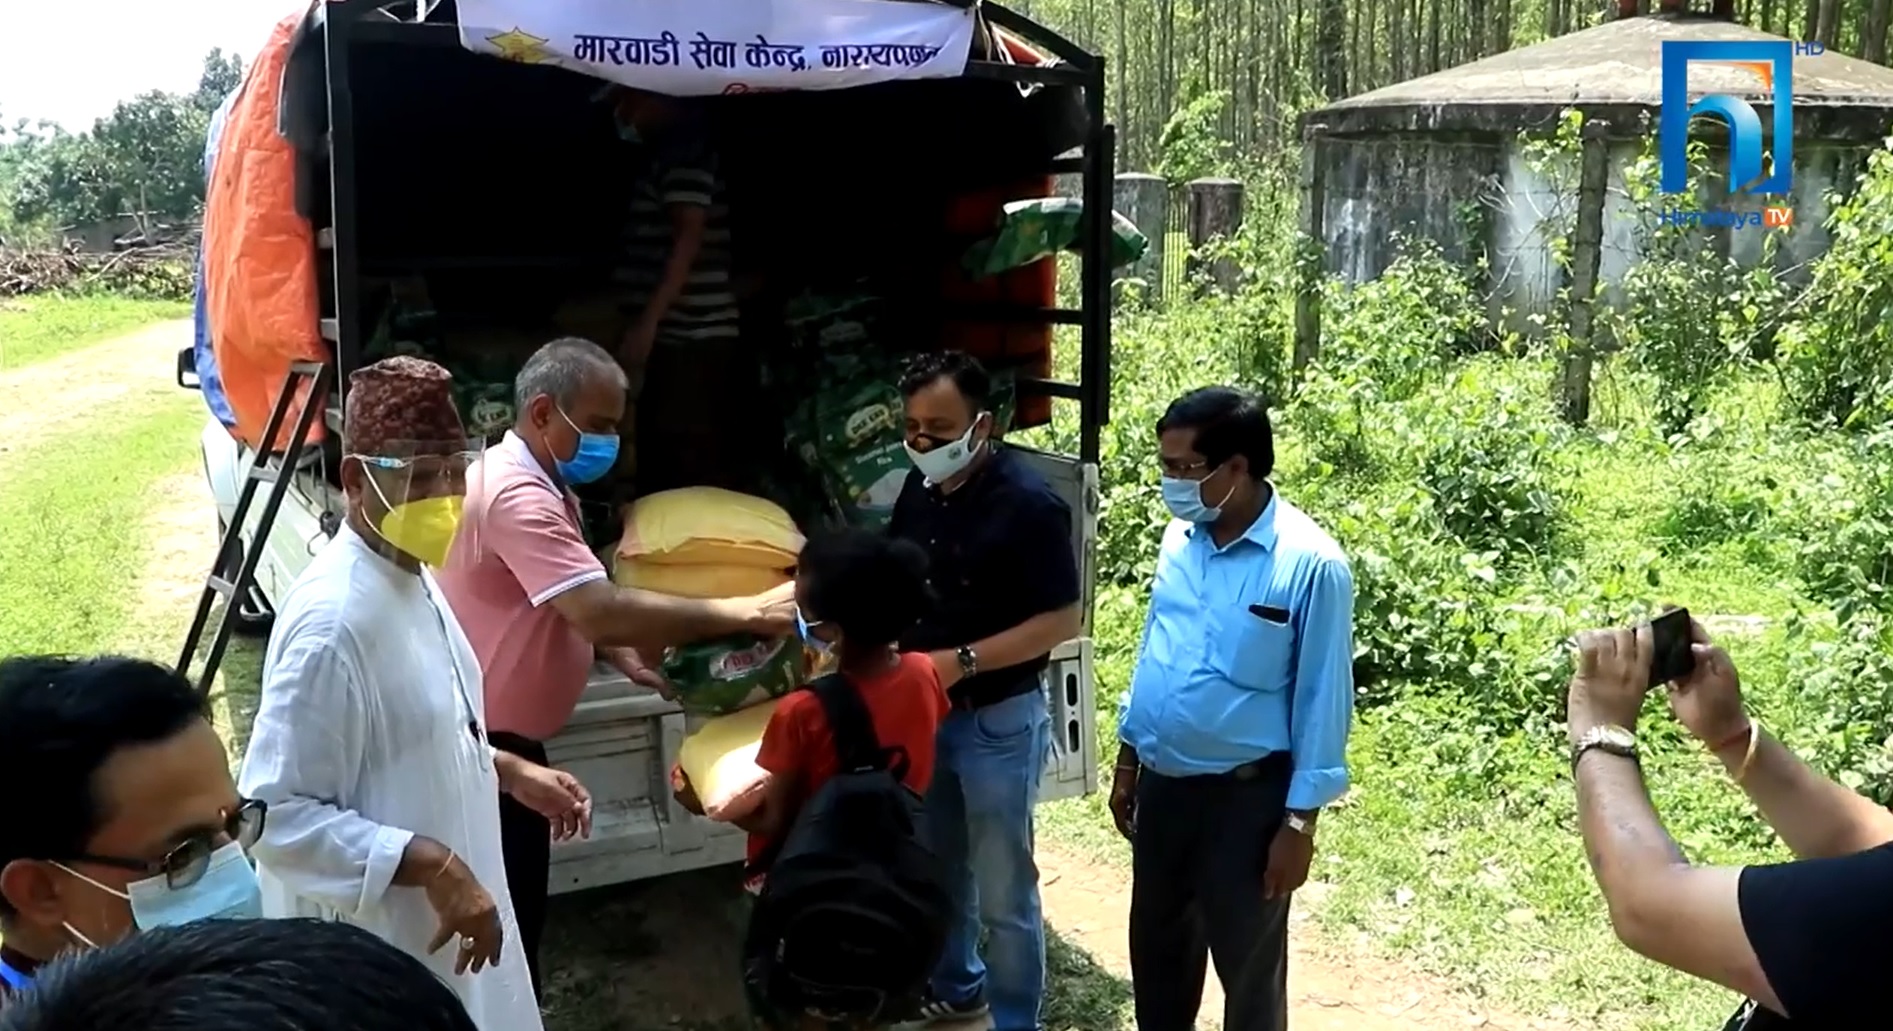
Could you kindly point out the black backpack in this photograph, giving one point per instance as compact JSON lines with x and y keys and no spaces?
{"x":854,"y":913}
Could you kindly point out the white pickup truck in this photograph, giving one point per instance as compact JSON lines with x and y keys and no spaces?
{"x":370,"y":77}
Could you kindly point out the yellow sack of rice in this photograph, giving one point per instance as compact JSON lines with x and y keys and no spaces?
{"x":710,"y":526}
{"x":718,"y":762}
{"x":718,"y":581}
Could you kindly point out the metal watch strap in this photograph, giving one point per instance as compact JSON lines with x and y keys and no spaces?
{"x":969,"y":662}
{"x":1611,"y":740}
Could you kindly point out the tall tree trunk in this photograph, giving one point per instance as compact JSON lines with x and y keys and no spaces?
{"x":1827,"y":26}
{"x":1873,"y":37}
{"x":1330,"y":44}
{"x":1432,"y":37}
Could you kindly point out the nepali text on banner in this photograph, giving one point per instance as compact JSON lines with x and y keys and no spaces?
{"x":705,"y":47}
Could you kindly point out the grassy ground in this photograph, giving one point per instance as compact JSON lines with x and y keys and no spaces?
{"x":1457,"y":848}
{"x":33,"y":329}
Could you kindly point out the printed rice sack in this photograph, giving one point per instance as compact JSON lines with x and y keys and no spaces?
{"x":718,"y":761}
{"x":851,"y":436}
{"x":726,"y":674}
{"x":718,"y":581}
{"x":710,"y":526}
{"x":487,"y":407}
{"x":1032,"y":230}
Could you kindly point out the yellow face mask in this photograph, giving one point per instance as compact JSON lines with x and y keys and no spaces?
{"x":424,"y":529}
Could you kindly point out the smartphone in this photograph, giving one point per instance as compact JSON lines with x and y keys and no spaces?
{"x":1672,"y":658}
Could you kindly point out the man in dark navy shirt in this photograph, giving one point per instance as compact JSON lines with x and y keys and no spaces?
{"x":1000,"y":544}
{"x":1806,"y":940}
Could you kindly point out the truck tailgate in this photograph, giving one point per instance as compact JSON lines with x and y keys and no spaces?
{"x":621,"y":743}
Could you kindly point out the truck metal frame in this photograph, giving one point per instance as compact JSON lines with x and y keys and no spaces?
{"x":623,"y":738}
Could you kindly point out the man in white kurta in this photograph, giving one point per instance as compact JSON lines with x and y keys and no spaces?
{"x":369,"y":742}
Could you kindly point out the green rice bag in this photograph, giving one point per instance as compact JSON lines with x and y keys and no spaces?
{"x":1033,"y":229}
{"x":724,"y":674}
{"x":487,"y":408}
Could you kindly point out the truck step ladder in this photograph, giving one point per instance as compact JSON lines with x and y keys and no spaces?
{"x":276,"y":470}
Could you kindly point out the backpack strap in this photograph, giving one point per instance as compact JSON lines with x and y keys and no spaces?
{"x":857,"y":747}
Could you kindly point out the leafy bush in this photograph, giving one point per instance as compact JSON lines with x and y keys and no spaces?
{"x":1844,"y":551}
{"x":1839,"y":360}
{"x":1849,"y":685}
{"x":1390,"y":336}
{"x":1724,"y":495}
{"x":1489,"y":469}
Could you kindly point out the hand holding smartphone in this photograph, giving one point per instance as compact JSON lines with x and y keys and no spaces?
{"x":1671,"y":657}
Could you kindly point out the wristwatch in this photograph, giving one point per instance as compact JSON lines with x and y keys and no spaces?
{"x":1610,"y":739}
{"x":1302,"y":825}
{"x":969,"y":662}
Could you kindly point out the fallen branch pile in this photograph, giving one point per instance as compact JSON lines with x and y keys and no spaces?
{"x":161,"y":271}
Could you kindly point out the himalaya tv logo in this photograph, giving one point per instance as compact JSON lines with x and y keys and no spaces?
{"x":1773,"y":63}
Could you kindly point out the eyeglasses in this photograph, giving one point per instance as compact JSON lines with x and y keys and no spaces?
{"x":1183,"y":470}
{"x":185,"y":864}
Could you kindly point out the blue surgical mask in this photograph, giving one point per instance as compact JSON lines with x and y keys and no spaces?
{"x":1184,"y":499}
{"x":802,"y":628}
{"x":596,"y":454}
{"x":629,"y":132}
{"x":228,"y":890}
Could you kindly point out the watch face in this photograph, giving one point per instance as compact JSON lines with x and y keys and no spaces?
{"x":1616,"y":737}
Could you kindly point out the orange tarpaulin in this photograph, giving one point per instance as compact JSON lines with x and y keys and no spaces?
{"x":259,"y":254}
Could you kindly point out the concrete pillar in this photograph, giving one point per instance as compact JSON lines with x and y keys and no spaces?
{"x":1145,"y":200}
{"x":1215,"y":213}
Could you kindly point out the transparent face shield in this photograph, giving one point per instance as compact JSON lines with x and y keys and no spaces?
{"x":415,"y":493}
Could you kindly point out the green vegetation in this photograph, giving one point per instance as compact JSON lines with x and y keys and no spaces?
{"x":42,"y":326}
{"x":72,"y":509}
{"x":147,"y":155}
{"x":1484,"y":531}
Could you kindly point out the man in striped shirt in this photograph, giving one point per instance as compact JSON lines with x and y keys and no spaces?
{"x":676,"y":275}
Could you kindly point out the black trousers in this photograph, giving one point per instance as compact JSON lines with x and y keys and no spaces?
{"x":526,"y":848}
{"x":1201,"y":846}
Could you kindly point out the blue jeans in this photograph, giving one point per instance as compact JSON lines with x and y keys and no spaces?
{"x":980,"y":806}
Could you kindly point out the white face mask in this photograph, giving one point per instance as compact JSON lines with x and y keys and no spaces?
{"x":948,"y":460}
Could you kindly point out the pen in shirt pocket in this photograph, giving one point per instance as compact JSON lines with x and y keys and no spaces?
{"x":1269,"y":614}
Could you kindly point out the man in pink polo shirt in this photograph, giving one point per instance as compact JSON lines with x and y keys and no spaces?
{"x":536,"y":601}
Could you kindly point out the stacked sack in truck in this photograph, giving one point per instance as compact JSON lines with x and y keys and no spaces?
{"x":705,"y":542}
{"x":847,"y":427}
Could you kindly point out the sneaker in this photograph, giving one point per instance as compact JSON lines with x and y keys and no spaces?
{"x":939,"y":1011}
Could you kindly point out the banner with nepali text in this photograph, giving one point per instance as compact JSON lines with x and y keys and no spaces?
{"x":708,"y":47}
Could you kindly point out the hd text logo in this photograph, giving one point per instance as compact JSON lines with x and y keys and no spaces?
{"x":1773,"y":63}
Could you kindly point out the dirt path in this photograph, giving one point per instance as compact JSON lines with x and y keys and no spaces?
{"x":1090,"y":906}
{"x":54,"y":396}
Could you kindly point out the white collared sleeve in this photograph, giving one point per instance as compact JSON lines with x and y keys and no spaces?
{"x":307,"y":751}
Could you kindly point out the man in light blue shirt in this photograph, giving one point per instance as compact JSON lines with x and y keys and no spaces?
{"x":1233,"y":734}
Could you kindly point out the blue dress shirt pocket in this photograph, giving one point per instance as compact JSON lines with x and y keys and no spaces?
{"x":1253,"y":649}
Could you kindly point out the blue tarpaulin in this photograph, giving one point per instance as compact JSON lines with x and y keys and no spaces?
{"x":205,"y":356}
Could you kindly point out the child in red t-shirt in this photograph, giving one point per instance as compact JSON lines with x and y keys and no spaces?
{"x":856,"y":593}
